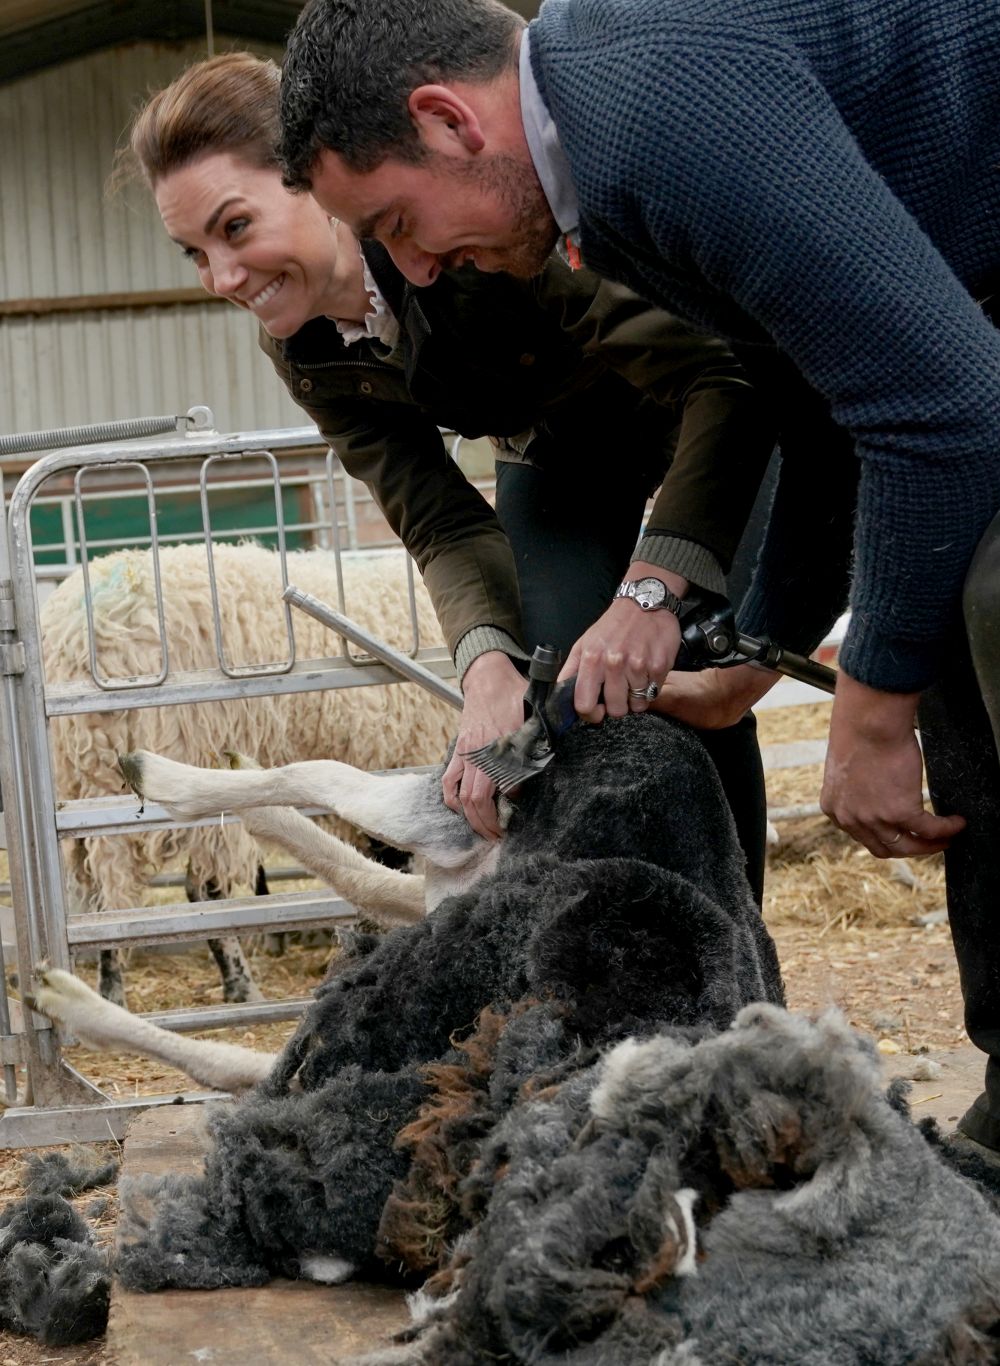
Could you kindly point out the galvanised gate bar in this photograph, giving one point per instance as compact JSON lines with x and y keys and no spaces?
{"x":61,"y":1105}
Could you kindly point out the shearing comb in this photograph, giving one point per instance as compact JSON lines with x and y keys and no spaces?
{"x":513,"y":759}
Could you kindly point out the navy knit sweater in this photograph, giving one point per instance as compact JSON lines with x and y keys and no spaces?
{"x":823,"y":174}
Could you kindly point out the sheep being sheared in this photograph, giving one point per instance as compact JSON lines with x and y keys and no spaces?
{"x":618,"y":903}
{"x":405,"y":806}
{"x":372,"y":727}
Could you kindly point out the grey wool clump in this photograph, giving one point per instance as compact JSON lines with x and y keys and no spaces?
{"x":619,"y":901}
{"x":54,"y":1282}
{"x":825,"y":1230}
{"x":285,"y":1178}
{"x":67,"y":1173}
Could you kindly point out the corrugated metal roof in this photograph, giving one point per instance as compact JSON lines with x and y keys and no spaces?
{"x":39,"y":33}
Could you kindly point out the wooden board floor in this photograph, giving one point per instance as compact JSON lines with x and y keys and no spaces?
{"x":947,"y":1097}
{"x":283,"y":1322}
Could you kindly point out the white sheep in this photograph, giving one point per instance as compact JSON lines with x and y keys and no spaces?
{"x":370,"y":727}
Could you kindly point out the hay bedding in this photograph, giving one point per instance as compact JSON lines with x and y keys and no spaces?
{"x":845,"y":922}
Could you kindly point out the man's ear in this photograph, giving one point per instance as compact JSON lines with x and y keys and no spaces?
{"x":445,"y":122}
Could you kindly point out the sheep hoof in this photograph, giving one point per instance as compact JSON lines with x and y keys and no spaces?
{"x":242,"y":993}
{"x":130,"y":767}
{"x":326,"y":1269}
{"x":56,"y":994}
{"x":69,"y":1003}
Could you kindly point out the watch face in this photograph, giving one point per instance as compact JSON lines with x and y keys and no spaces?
{"x":649,"y":593}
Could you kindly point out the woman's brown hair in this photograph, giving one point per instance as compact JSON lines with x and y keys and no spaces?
{"x":228,"y":103}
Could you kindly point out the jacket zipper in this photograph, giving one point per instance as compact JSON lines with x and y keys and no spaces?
{"x":341,"y":365}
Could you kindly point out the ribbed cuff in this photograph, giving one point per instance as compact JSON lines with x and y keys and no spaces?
{"x":692,"y":561}
{"x":480,"y":641}
{"x":888,"y":664}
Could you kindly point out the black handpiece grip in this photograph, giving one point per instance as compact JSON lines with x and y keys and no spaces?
{"x":708,"y":629}
{"x":545,"y":664}
{"x":542,"y":673}
{"x":559,"y":711}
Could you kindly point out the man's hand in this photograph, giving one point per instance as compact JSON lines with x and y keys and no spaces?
{"x":873,"y":782}
{"x":494,"y":692}
{"x":625,"y":648}
{"x":712,"y":699}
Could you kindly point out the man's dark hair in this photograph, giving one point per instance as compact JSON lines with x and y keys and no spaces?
{"x":352,"y":64}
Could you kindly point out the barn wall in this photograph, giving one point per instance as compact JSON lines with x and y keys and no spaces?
{"x":61,"y":236}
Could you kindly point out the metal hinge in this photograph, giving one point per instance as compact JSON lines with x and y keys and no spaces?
{"x":12,"y":657}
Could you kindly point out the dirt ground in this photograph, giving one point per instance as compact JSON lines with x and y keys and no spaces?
{"x":845,"y":925}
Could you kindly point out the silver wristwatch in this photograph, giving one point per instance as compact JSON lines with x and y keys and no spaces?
{"x":651,"y":594}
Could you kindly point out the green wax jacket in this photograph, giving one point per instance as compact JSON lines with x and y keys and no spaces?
{"x":618,"y":389}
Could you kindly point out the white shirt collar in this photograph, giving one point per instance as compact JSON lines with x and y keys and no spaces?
{"x":547,"y":154}
{"x":380,"y":323}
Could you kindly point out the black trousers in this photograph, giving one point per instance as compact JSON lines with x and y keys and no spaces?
{"x":572,"y":540}
{"x":960,"y":730}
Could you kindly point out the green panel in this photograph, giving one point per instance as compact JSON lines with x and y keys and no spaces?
{"x":235,"y":514}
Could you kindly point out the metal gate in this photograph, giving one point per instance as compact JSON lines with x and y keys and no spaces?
{"x":64,"y":1105}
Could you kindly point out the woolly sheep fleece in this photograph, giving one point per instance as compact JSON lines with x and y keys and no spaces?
{"x":370,"y":727}
{"x":705,"y":1193}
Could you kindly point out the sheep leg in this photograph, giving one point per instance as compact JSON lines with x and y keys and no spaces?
{"x":97,"y":1023}
{"x":110,"y":979}
{"x":275,"y":942}
{"x":404,"y":809}
{"x":383,"y":893}
{"x":83,"y":896}
{"x":237,"y":979}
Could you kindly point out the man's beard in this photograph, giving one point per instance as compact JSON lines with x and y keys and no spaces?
{"x":533,"y":231}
